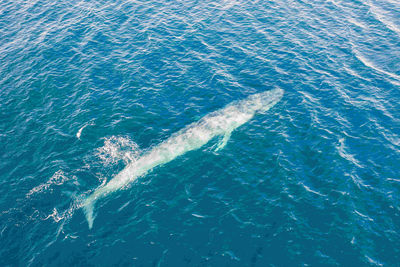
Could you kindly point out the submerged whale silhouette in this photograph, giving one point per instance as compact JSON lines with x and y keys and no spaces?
{"x":219,"y":123}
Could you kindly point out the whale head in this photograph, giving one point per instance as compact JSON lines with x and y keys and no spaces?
{"x":262,"y":102}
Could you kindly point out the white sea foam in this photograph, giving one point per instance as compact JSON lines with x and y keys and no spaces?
{"x":55,"y":216}
{"x":194,"y":136}
{"x":117,"y":148}
{"x":58,"y":178}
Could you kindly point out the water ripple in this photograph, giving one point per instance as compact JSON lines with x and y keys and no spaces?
{"x":80,"y":80}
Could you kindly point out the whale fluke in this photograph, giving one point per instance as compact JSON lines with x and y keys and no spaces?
{"x":88,"y":208}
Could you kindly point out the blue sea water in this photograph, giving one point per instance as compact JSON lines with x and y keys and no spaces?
{"x":88,"y":86}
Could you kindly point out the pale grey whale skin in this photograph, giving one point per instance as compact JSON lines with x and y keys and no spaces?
{"x":219,"y":123}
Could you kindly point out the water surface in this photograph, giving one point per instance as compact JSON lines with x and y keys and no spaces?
{"x":87,"y":87}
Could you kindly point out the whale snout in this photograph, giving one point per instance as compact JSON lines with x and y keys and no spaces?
{"x":268,"y":99}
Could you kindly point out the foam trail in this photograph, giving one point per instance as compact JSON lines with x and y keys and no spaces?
{"x":193,"y":136}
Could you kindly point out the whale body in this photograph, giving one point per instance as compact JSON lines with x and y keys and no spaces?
{"x":219,"y":123}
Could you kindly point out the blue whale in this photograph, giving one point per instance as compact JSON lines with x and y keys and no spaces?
{"x":219,"y":123}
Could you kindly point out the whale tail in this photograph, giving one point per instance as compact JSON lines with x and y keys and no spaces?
{"x":88,"y":207}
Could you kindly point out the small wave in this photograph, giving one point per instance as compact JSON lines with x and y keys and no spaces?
{"x":382,"y":16}
{"x":79,"y":133}
{"x":117,"y":148}
{"x":389,"y":135}
{"x":198,"y":215}
{"x":308,"y":189}
{"x":342,"y":149}
{"x":369,"y":64}
{"x":373,"y":261}
{"x":393,"y":180}
{"x":363,"y":216}
{"x":231,"y":255}
{"x":357,"y":23}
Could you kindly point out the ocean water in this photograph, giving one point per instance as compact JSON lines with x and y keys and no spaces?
{"x":90,"y":87}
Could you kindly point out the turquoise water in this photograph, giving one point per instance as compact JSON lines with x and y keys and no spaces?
{"x":89,"y":88}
